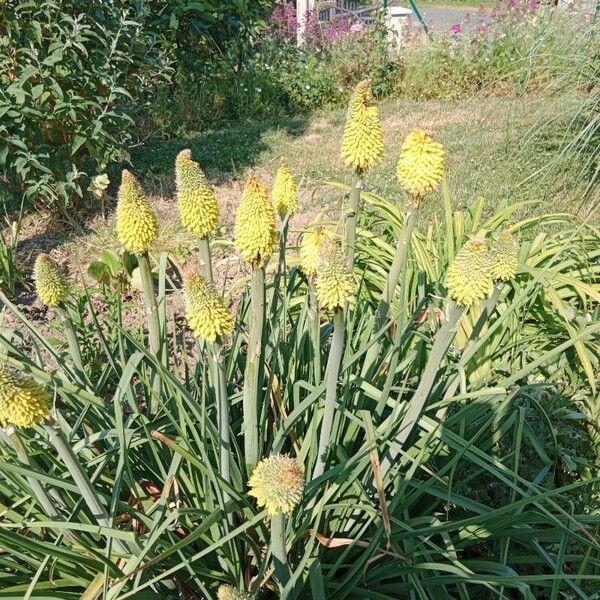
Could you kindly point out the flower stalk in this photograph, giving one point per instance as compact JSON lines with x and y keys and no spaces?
{"x":205,"y":259}
{"x":352,"y":220}
{"x":279,"y":553}
{"x":253,"y":380}
{"x":332,"y":370}
{"x":73,"y":343}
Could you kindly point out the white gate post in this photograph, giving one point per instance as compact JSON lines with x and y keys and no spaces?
{"x":302,"y":7}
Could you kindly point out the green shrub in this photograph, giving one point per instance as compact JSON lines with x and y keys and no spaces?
{"x":67,"y":77}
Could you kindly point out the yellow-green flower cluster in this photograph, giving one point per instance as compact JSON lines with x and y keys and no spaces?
{"x":285,"y":192}
{"x":206,"y":313}
{"x":310,"y":249}
{"x":277,"y":483}
{"x":421,"y":165}
{"x":362,"y":144}
{"x":255,"y":237}
{"x":335,"y":285}
{"x":51,"y":285}
{"x":198,"y":206}
{"x":504,"y":257}
{"x":23,"y":402}
{"x":469,"y":277}
{"x":136,"y":221}
{"x":228,"y":592}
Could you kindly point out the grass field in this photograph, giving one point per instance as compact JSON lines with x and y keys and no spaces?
{"x":490,"y":153}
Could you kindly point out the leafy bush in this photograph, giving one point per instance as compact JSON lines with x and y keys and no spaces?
{"x":147,"y":458}
{"x":519,"y":48}
{"x":67,"y":76}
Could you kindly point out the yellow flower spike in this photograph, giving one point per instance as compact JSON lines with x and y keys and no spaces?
{"x":504,"y":257}
{"x":255,"y":237}
{"x":421,"y":165}
{"x":198,"y":206}
{"x":23,"y":402}
{"x":469,"y":277}
{"x":277,"y":483}
{"x":335,"y":285}
{"x":310,"y":250}
{"x":206,"y":312}
{"x":228,"y":592}
{"x":136,"y":221}
{"x":50,"y":284}
{"x":362,"y":143}
{"x":285,"y":192}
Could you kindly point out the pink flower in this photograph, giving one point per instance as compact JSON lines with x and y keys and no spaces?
{"x":456,"y":29}
{"x":356,"y":28}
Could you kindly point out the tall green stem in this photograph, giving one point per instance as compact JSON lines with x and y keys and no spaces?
{"x":204,"y":248}
{"x":332,"y":373}
{"x":352,"y":221}
{"x":315,"y":331}
{"x":396,"y":273}
{"x":279,"y":553}
{"x":73,"y":343}
{"x":441,"y":343}
{"x":220,"y":385}
{"x":84,"y":485}
{"x":151,"y":307}
{"x":253,"y":377}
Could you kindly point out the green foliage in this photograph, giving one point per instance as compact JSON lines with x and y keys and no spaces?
{"x":11,"y":273}
{"x":67,"y":77}
{"x":512,"y":52}
{"x":491,"y":496}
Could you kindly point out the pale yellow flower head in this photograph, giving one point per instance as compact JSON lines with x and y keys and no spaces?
{"x":136,"y":222}
{"x":362,"y":143}
{"x":504,"y":257}
{"x":335,"y":285}
{"x":23,"y":403}
{"x":205,"y":311}
{"x":198,"y":206}
{"x":312,"y":244}
{"x":285,"y":192}
{"x":421,"y":165}
{"x":255,"y":236}
{"x":228,"y":592}
{"x":277,"y":483}
{"x":469,"y":277}
{"x":50,"y":284}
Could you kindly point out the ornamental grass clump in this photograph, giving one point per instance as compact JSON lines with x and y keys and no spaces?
{"x":406,"y":467}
